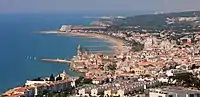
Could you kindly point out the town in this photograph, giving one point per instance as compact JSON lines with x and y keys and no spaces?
{"x":146,"y":63}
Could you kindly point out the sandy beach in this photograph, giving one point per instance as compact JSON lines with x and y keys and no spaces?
{"x":118,"y":43}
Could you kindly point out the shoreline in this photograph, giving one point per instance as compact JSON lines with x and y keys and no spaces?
{"x":118,"y":44}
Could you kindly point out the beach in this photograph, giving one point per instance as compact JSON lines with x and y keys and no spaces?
{"x":118,"y":44}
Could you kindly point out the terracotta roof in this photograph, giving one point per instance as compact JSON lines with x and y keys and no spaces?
{"x":14,"y":95}
{"x":21,"y":89}
{"x":159,"y":63}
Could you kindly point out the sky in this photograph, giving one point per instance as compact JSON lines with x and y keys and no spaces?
{"x":64,"y":6}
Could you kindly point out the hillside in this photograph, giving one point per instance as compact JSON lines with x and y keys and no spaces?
{"x":157,"y":21}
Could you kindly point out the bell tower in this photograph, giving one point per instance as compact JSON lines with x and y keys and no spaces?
{"x":79,"y":52}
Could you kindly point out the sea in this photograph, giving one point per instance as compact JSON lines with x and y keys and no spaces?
{"x":22,"y":47}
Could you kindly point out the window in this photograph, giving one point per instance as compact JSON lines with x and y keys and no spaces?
{"x":191,"y":95}
{"x":159,"y":96}
{"x":170,"y":96}
{"x":198,"y":95}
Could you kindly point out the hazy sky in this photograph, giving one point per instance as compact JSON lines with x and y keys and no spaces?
{"x":19,"y":6}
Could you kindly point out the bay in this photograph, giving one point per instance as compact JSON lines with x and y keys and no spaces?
{"x":21,"y":48}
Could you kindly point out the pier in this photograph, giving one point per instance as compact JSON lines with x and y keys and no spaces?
{"x":56,"y":60}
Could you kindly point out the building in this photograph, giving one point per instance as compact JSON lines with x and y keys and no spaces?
{"x":107,"y":93}
{"x":34,"y":88}
{"x":94,"y":92}
{"x":65,"y":28}
{"x":120,"y":93}
{"x":139,"y":71}
{"x":81,"y":92}
{"x":173,"y":92}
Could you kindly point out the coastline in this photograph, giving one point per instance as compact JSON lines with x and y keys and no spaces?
{"x":118,"y":44}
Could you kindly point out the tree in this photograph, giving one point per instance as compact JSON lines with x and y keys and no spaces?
{"x":193,"y":66}
{"x":78,"y":81}
{"x":37,"y":79}
{"x":133,"y":72}
{"x":147,"y":75}
{"x":164,"y":68}
{"x":172,"y":67}
{"x":51,"y":78}
{"x":107,"y":80}
{"x":112,"y":67}
{"x":58,"y":78}
{"x":187,"y":80}
{"x":136,"y":46}
{"x":45,"y":92}
{"x":123,"y":59}
{"x":87,"y":81}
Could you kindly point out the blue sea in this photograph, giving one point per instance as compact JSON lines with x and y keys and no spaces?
{"x":19,"y":45}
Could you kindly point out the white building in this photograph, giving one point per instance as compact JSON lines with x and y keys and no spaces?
{"x":107,"y":93}
{"x":65,"y":28}
{"x":81,"y":92}
{"x":94,"y":92}
{"x":120,"y":93}
{"x":30,"y":82}
{"x":160,"y":93}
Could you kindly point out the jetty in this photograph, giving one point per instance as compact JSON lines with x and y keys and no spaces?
{"x":56,"y":60}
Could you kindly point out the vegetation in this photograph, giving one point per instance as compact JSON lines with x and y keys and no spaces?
{"x":79,"y":80}
{"x":112,"y":67}
{"x":156,"y":21}
{"x":58,"y":78}
{"x":136,"y":46}
{"x":87,"y":81}
{"x":37,"y":79}
{"x":186,"y":80}
{"x":194,"y":66}
{"x":52,"y":78}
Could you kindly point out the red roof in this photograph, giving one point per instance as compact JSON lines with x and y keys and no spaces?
{"x":14,"y":95}
{"x":21,"y":89}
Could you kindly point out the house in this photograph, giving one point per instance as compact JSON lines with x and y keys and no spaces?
{"x":81,"y":92}
{"x":120,"y":93}
{"x":96,"y":81}
{"x":139,"y":71}
{"x":164,"y":80}
{"x":107,"y":93}
{"x":73,"y":84}
{"x":94,"y":92}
